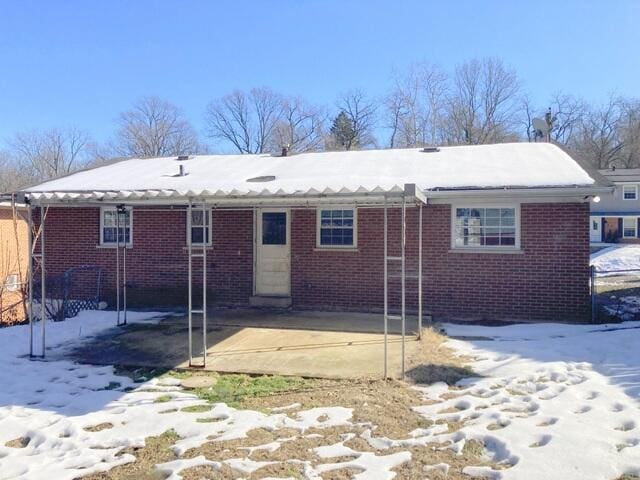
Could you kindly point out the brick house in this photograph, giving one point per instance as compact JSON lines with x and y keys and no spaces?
{"x":13,"y":262}
{"x":501,"y":232}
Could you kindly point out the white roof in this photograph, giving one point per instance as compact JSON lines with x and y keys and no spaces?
{"x":524,"y":165}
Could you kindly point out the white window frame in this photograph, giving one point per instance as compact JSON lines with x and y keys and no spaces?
{"x":635,"y":227}
{"x":12,"y":283}
{"x":319,"y":210}
{"x":486,"y":248}
{"x":635,"y":192}
{"x":190,"y":224}
{"x":114,"y":244}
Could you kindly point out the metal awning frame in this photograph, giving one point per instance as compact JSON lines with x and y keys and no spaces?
{"x":409,"y":197}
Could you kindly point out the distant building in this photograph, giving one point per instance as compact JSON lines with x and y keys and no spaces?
{"x":616,"y":217}
{"x":14,"y":257}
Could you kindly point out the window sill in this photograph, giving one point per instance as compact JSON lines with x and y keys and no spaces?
{"x":336,"y":249}
{"x":101,"y":245}
{"x":197,"y":247}
{"x":500,"y":251}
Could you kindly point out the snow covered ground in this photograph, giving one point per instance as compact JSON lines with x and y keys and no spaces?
{"x":554,"y":401}
{"x":551,"y":402}
{"x":617,"y":257}
{"x":53,"y":403}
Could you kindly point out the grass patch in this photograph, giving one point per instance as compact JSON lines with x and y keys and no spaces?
{"x":231,"y":389}
{"x":196,"y":409}
{"x":473,"y":448}
{"x":234,"y":389}
{"x":208,"y":420}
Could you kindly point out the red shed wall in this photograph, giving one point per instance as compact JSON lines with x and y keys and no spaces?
{"x":547,"y":281}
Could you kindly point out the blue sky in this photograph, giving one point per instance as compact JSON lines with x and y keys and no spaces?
{"x":81,"y":62}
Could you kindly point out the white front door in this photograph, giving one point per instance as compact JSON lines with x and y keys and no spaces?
{"x":595,"y":229}
{"x":273,"y":252}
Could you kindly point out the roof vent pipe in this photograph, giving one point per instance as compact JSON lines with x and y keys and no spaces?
{"x":181,"y":172}
{"x":285,"y":150}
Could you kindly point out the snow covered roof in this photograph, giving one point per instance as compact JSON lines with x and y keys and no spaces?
{"x":509,"y":165}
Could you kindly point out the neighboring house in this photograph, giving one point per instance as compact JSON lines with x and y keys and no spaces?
{"x":616,"y":217}
{"x":505,"y":229}
{"x":13,"y":262}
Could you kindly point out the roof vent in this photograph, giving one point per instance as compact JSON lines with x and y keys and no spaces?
{"x":430,"y":149}
{"x":182,"y":158}
{"x":262,"y":179}
{"x":181,"y":171}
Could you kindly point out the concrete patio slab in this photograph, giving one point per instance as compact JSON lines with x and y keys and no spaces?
{"x":253,"y":349}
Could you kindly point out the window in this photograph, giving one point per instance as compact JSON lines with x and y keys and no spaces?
{"x":337,"y":228}
{"x":629,"y":225}
{"x":11,"y":283}
{"x":486,"y":227}
{"x":630,"y":192}
{"x":274,"y":228}
{"x":200,"y":226}
{"x":114,"y":230}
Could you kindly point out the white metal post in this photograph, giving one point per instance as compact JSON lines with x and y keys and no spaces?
{"x":204,"y":281}
{"x":403,"y":263}
{"x":124,"y":272}
{"x":420,"y":272}
{"x":189,"y":219}
{"x":43,"y":278}
{"x":30,"y":276}
{"x":386,"y":305}
{"x":117,"y":267}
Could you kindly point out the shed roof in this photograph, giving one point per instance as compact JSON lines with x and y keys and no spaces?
{"x":478,"y":167}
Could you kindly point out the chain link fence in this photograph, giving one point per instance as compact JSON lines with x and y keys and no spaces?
{"x":615,"y":295}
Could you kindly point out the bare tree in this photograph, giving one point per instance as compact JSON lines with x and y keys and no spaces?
{"x":629,"y":133}
{"x":569,"y":112}
{"x":45,"y":154}
{"x":12,"y":176}
{"x":246,"y":121}
{"x":528,"y":114}
{"x":360,"y":111}
{"x":597,"y":139}
{"x":484,"y":103}
{"x":415,"y":106}
{"x":301,"y":126}
{"x":154,"y":128}
{"x":395,"y":112}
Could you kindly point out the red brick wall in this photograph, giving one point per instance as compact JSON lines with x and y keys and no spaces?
{"x":548,"y":281}
{"x":157,"y":260}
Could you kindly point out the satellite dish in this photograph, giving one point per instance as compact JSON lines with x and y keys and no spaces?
{"x":541,"y":125}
